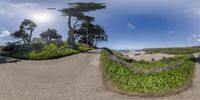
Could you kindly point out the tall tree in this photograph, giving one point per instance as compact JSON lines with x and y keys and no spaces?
{"x":25,"y":31}
{"x":22,"y":35}
{"x":49,"y":35}
{"x":87,"y":21}
{"x":27,"y":27}
{"x":76,"y":12}
{"x":91,"y":34}
{"x":99,"y":35}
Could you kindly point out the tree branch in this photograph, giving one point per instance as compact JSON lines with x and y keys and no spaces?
{"x":74,"y":26}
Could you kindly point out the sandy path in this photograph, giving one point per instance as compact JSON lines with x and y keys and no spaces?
{"x":77,"y":77}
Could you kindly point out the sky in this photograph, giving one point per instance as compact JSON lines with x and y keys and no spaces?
{"x":130,"y":24}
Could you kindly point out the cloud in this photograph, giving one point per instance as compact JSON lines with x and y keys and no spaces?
{"x":5,"y":37}
{"x":9,"y":8}
{"x":4,"y":34}
{"x":21,"y":5}
{"x":194,"y":37}
{"x":130,"y":25}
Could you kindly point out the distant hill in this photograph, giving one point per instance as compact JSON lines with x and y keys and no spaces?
{"x":175,"y":50}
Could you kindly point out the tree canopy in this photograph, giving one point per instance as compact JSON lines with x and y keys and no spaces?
{"x":76,"y":11}
{"x":25,"y":31}
{"x":49,"y":35}
{"x":91,"y":34}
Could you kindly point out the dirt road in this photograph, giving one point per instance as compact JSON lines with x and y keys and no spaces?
{"x":77,"y":77}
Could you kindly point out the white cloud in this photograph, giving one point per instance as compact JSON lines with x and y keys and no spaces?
{"x":4,"y":34}
{"x":194,"y":37}
{"x":130,"y":25}
{"x":20,"y":5}
{"x":8,"y":8}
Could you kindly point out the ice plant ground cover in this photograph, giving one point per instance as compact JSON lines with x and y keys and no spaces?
{"x":165,"y":82}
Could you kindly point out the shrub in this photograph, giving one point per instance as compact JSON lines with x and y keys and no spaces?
{"x":164,"y":58}
{"x":11,"y":47}
{"x":48,"y":51}
{"x":83,"y":47}
{"x":51,"y":51}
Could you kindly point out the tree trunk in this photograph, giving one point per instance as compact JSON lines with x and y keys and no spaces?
{"x":24,"y":40}
{"x":91,"y":39}
{"x":30,"y":36}
{"x":70,"y":39}
{"x":87,"y":34}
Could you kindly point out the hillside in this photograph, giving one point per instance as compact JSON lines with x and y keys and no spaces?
{"x":176,"y":50}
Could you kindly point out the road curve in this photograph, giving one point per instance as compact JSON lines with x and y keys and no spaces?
{"x":76,"y":77}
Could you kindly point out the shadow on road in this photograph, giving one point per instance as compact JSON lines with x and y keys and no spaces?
{"x":4,"y":60}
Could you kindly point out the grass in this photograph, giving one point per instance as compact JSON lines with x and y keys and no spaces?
{"x":172,"y":61}
{"x":160,"y":63}
{"x":148,"y":65}
{"x":148,"y":84}
{"x":50,"y":51}
{"x":176,"y":51}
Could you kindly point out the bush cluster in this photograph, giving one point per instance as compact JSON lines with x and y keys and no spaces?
{"x":50,"y":51}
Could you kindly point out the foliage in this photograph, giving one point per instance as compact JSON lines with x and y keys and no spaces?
{"x":83,"y":47}
{"x":17,"y":47}
{"x":160,"y":63}
{"x":50,"y":51}
{"x":176,"y":51}
{"x":25,"y":31}
{"x":91,"y":34}
{"x":153,"y":83}
{"x":76,"y":11}
{"x":10,"y":47}
{"x":50,"y":35}
{"x":148,"y":65}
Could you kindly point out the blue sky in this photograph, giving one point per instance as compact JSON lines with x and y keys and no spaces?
{"x":130,"y":24}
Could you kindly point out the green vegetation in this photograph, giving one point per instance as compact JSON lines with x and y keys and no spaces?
{"x":91,"y":34}
{"x":148,"y":65}
{"x":176,"y":51}
{"x":76,"y":11}
{"x":160,"y":63}
{"x":153,"y":64}
{"x":83,"y":35}
{"x":50,"y":51}
{"x":25,"y":31}
{"x":148,"y":84}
